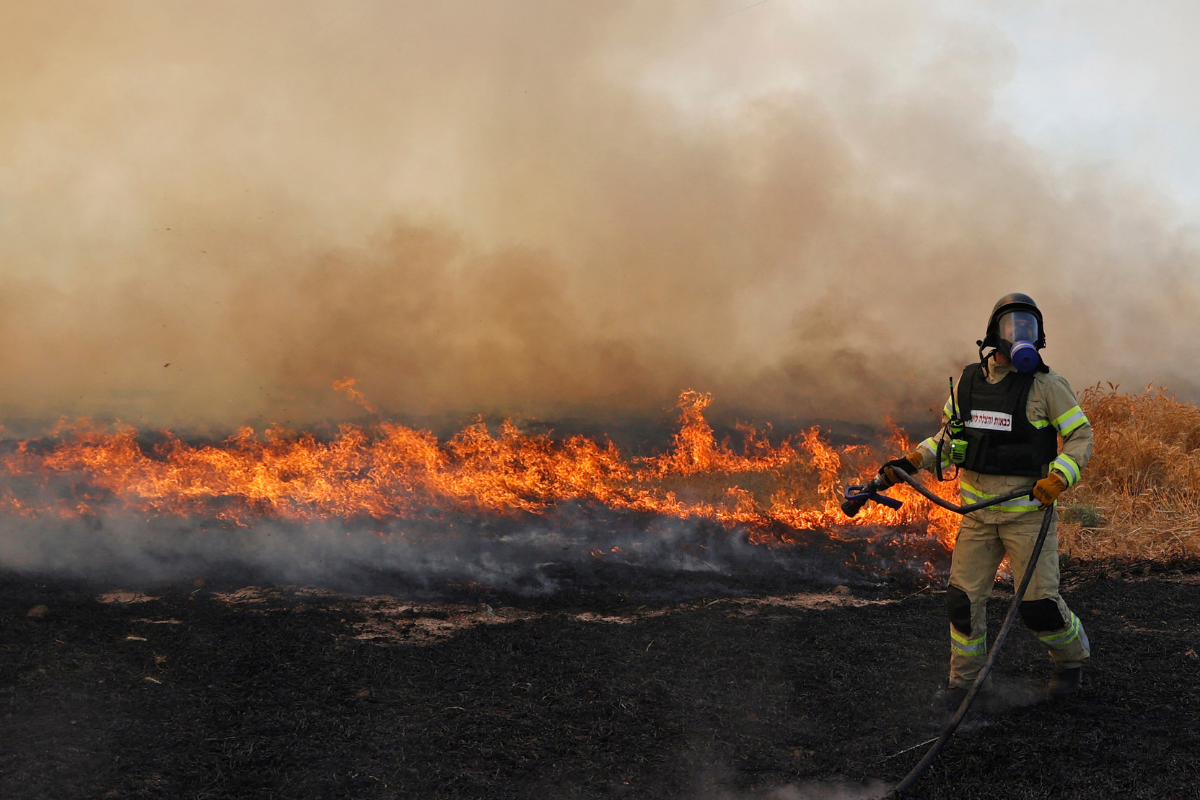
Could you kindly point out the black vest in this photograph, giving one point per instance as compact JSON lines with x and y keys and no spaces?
{"x":1000,"y":438}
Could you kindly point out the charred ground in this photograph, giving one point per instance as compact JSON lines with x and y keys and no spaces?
{"x":287,"y":692}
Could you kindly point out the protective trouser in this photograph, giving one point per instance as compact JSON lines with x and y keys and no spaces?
{"x":978,"y":552}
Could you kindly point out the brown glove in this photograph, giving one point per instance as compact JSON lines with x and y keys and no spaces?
{"x":910,"y":464}
{"x":1049,"y":488}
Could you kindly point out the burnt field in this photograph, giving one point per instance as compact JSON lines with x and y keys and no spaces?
{"x":212,"y":689}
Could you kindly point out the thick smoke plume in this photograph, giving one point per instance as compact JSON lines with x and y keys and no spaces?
{"x":210,"y":212}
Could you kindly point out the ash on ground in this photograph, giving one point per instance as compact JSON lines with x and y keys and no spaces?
{"x":203,"y":689}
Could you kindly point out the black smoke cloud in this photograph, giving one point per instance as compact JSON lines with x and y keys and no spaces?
{"x":544,"y":208}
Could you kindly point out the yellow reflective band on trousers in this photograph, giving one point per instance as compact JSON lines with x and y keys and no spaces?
{"x":1059,"y":639}
{"x":1065,"y":423}
{"x":1017,"y":505}
{"x":1067,"y":466}
{"x":967,"y":647}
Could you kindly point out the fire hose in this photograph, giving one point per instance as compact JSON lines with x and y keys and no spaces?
{"x":856,"y":498}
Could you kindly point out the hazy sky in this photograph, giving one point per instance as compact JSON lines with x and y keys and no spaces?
{"x":1100,"y":80}
{"x":210,"y":212}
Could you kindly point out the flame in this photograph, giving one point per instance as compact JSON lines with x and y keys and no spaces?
{"x":347,"y":385}
{"x":387,"y":470}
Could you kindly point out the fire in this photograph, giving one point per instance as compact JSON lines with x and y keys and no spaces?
{"x":386,"y":470}
{"x":348,"y":385}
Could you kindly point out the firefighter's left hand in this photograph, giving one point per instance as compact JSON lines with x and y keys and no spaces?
{"x":910,"y":464}
{"x":1049,"y":488}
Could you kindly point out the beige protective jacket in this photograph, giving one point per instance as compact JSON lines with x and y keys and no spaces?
{"x":1051,"y":402}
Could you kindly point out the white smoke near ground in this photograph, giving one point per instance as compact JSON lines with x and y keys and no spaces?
{"x":816,"y":790}
{"x":665,"y":558}
{"x":209,"y":212}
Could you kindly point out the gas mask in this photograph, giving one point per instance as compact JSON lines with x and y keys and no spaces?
{"x":1017,"y":332}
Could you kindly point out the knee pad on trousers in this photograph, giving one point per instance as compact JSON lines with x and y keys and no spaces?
{"x":958,"y":605}
{"x":1042,"y":615}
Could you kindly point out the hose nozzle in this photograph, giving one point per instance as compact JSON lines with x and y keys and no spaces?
{"x":857,"y":496}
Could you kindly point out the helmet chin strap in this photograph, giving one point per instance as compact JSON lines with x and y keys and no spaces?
{"x":986,"y":359}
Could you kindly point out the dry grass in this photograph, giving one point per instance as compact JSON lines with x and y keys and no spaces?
{"x":1140,"y":495}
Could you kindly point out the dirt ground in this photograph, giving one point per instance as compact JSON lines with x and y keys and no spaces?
{"x":227,"y":691}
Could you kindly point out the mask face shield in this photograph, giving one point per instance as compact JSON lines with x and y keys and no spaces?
{"x":1018,"y":330}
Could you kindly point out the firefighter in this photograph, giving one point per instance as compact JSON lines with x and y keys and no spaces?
{"x":1012,"y":409}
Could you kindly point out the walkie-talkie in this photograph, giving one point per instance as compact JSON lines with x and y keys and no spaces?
{"x":958,"y":445}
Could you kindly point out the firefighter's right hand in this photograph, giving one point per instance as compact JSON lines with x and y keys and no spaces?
{"x":909,"y":464}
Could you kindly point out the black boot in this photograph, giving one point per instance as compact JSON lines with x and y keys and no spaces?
{"x":1064,"y":683}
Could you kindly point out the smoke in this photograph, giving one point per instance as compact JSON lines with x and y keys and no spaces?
{"x":571,"y":552}
{"x":818,"y":790}
{"x":210,"y":212}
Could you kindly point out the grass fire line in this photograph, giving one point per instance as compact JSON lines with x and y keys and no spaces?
{"x":1139,"y":501}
